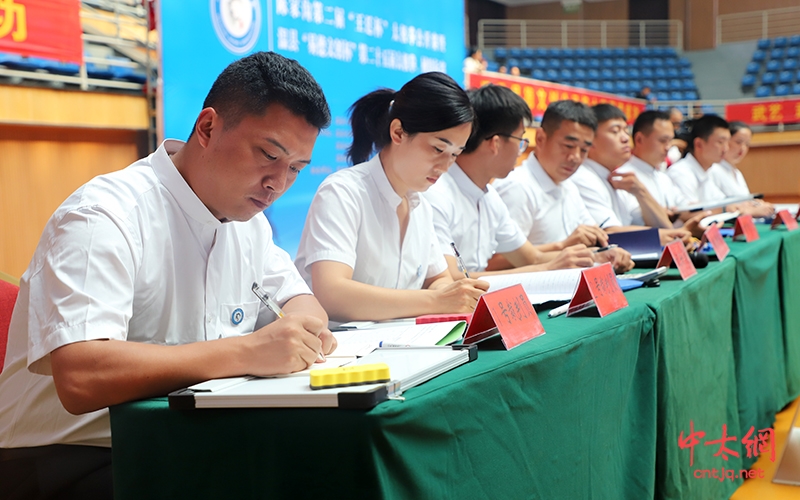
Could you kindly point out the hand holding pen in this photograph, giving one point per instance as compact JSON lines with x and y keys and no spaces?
{"x":461,"y":266}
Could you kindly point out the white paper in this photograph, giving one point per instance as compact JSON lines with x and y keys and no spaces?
{"x":362,"y":342}
{"x":541,"y":287}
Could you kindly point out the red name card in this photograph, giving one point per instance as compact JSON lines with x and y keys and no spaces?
{"x":786,"y":218}
{"x":676,"y":252}
{"x":713,"y":236}
{"x":745,"y":227}
{"x":441,"y":318}
{"x":507,"y":311}
{"x":598,"y":287}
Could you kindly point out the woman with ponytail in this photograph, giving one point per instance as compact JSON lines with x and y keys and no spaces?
{"x":368,"y":248}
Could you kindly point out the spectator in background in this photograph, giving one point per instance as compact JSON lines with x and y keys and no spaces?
{"x":502,"y":69}
{"x":678,"y":146}
{"x":515,"y":71}
{"x":474,"y":63}
{"x":646,"y":94}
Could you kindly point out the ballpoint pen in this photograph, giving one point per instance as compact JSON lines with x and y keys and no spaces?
{"x":274,"y":307}
{"x":603,"y":249}
{"x":461,"y":266}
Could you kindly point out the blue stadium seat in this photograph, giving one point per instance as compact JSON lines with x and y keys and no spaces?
{"x":99,"y":71}
{"x":540,"y":52}
{"x":748,"y":81}
{"x":538,"y":74}
{"x":670,"y":52}
{"x":565,"y":74}
{"x":660,"y":72}
{"x":759,"y":55}
{"x":753,"y":68}
{"x":606,"y":53}
{"x":621,"y":62}
{"x":794,"y":41}
{"x":607,"y":62}
{"x":662,"y":96}
{"x":796,"y":88}
{"x":675,"y":84}
{"x":790,"y":64}
{"x":554,"y":63}
{"x":662,"y":85}
{"x":594,"y":63}
{"x":515,"y":52}
{"x":593,"y":74}
{"x":648,"y":83}
{"x":580,"y":53}
{"x":568,"y":63}
{"x":606,"y":74}
{"x":776,"y":54}
{"x":607,"y":86}
{"x":526,"y":66}
{"x":686,"y":73}
{"x":688,"y":84}
{"x":657,"y":51}
{"x":541,"y":63}
{"x":768,"y":79}
{"x":793,"y":52}
{"x":684,"y":62}
{"x":579,"y":83}
{"x":618,"y":52}
{"x":647,"y":73}
{"x":672,"y":72}
{"x":786,"y":77}
{"x":593,"y":52}
{"x":645,"y":52}
{"x":593,"y":85}
{"x":581,"y":63}
{"x":635,"y":85}
{"x":780,"y":42}
{"x":60,"y":68}
{"x":579,"y":74}
{"x":551,"y":75}
{"x":763,"y":91}
{"x":621,"y":74}
{"x":708,"y":109}
{"x":500,"y":54}
{"x":633,"y":73}
{"x":774,"y":65}
{"x":554,"y":52}
{"x":691,"y":95}
{"x":764,"y":44}
{"x":634,"y":51}
{"x":512,"y":62}
{"x":634,"y":62}
{"x":568,"y":53}
{"x":528,"y":52}
{"x":782,"y":90}
{"x":621,"y":87}
{"x":492,"y":65}
{"x":676,"y":95}
{"x":646,"y":62}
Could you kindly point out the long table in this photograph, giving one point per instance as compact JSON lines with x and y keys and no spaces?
{"x":592,"y":409}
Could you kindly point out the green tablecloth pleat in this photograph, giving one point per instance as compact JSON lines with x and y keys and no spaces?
{"x":570,"y":414}
{"x":696,"y":377}
{"x":758,"y":332}
{"x":790,"y":296}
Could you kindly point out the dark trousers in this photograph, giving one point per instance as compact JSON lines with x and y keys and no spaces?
{"x":56,"y":472}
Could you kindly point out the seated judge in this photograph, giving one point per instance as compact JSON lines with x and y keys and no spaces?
{"x":539,"y":195}
{"x":368,"y":248}
{"x":468,"y":211}
{"x":618,"y":201}
{"x":141,"y":282}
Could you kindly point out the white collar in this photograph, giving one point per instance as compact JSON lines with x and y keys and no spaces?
{"x":171,"y":178}
{"x":600,"y":170}
{"x":642,"y":166}
{"x":695,"y":167}
{"x":378,"y":174}
{"x":542,"y":178}
{"x":471,"y":190}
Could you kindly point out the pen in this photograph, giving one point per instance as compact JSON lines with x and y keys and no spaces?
{"x":609,"y":247}
{"x":275,"y":308}
{"x":558,"y":311}
{"x":461,"y":266}
{"x":602,"y":223}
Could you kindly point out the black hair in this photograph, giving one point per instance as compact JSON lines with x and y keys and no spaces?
{"x":644,"y":122}
{"x":498,"y":110}
{"x":249,"y":85}
{"x":737,"y":126}
{"x":568,"y":110}
{"x":606,"y":112}
{"x":428,"y":103}
{"x":703,"y":127}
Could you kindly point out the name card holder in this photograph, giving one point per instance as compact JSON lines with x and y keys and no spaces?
{"x":786,"y":218}
{"x":507,"y":311}
{"x":598,"y":287}
{"x":676,"y":252}
{"x":745,"y":227}
{"x":714,"y":237}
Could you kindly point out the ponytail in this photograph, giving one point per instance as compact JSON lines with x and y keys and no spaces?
{"x":369,"y":120}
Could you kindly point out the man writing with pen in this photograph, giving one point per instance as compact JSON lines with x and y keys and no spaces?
{"x":470,"y":218}
{"x":141,"y":283}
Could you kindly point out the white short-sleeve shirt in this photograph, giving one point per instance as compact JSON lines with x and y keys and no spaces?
{"x":608,"y":206}
{"x":353,"y":220}
{"x":658,"y":183}
{"x":693,"y":181}
{"x":475,"y":219}
{"x":728,"y":179}
{"x":545,"y":211}
{"x":132,"y":255}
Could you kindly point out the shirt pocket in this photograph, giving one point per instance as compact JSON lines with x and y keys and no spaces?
{"x":238,"y":319}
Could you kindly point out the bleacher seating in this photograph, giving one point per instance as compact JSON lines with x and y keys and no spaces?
{"x":772,"y":70}
{"x":619,"y":70}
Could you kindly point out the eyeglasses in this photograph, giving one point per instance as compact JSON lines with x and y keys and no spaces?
{"x":523,"y":143}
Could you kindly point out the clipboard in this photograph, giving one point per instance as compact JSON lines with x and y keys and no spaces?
{"x":408,"y":367}
{"x":711,"y":205}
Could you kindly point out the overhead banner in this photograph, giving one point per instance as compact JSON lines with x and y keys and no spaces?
{"x":764,"y":112}
{"x":42,"y":28}
{"x":538,"y":94}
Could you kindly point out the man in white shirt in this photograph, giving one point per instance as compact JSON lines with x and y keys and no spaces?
{"x":618,"y":201}
{"x":468,"y":212}
{"x":141,"y":283}
{"x":539,"y":195}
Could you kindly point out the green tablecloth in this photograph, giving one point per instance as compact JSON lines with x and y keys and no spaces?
{"x":790,"y":302}
{"x":696,"y":377}
{"x":570,"y":414}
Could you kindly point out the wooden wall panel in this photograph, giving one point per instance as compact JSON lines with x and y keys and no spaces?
{"x":773,"y":170}
{"x":611,"y":9}
{"x":40,"y":167}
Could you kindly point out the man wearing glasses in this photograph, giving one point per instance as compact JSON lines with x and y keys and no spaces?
{"x":468,"y":211}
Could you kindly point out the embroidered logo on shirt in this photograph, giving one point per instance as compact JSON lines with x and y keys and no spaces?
{"x":419,"y":271}
{"x":237,"y":316}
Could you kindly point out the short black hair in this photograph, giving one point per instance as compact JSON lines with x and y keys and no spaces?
{"x":430,"y":102}
{"x":736,"y":126}
{"x":498,"y":110}
{"x":572,"y":111}
{"x":605,"y":112}
{"x":251,"y":84}
{"x":644,"y":122}
{"x":704,"y":126}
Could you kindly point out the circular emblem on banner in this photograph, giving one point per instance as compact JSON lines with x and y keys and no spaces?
{"x":237,"y":316}
{"x":237,"y":23}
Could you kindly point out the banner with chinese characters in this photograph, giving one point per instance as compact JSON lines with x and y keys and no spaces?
{"x":42,"y":28}
{"x":351,"y":47}
{"x":764,"y":112}
{"x":538,"y":94}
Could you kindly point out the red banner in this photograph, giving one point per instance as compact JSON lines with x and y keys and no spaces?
{"x":42,"y":28}
{"x":764,"y":112}
{"x":539,"y":94}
